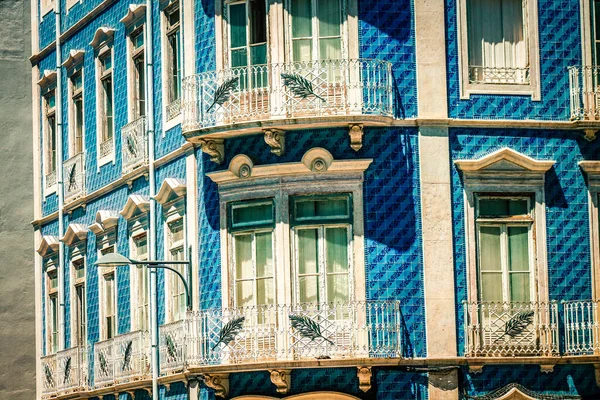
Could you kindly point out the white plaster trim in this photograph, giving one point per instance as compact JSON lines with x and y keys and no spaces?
{"x":75,"y":233}
{"x":48,"y":78}
{"x":71,"y":108}
{"x":136,"y":204}
{"x":586,"y":32}
{"x":169,"y":190}
{"x":515,"y":394}
{"x":48,"y":245}
{"x":321,"y":395}
{"x":592,"y":170}
{"x":103,"y":34}
{"x":134,"y":13}
{"x":531,"y":30}
{"x":105,"y":220}
{"x":74,"y":59}
{"x":494,"y":160}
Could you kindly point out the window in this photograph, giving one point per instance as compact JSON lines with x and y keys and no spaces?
{"x":80,"y":318}
{"x":176,"y":252}
{"x":139,"y":252}
{"x":322,"y":229}
{"x":52,"y":307}
{"x":138,"y":106}
{"x":499,"y":47}
{"x":504,"y":242}
{"x":76,"y":110}
{"x":252,"y":225}
{"x":172,"y":60}
{"x":316,"y":30}
{"x":51,"y":160}
{"x":248,"y":33}
{"x":109,"y":306}
{"x":106,"y":105}
{"x":107,"y":287}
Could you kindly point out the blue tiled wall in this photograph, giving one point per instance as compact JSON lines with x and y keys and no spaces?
{"x":567,"y":219}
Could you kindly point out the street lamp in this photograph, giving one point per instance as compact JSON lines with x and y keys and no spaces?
{"x":119,"y":260}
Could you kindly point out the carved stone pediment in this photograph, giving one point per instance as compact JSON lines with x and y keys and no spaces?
{"x":75,"y":58}
{"x":136,"y":204}
{"x":48,"y":78}
{"x":105,"y":219}
{"x":75,"y":233}
{"x":135,"y":12}
{"x":505,"y":160}
{"x":48,"y":245}
{"x":103,"y":34}
{"x":171,"y":189}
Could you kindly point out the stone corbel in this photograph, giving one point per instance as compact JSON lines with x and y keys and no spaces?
{"x":282,"y":379}
{"x":214,"y":148}
{"x":476,"y":368}
{"x":217,"y":382}
{"x":148,"y":390}
{"x":356,"y":136}
{"x":547,"y":368}
{"x":597,"y":374}
{"x":590,"y":134}
{"x":364,"y":375}
{"x":131,"y":393}
{"x":275,"y":138}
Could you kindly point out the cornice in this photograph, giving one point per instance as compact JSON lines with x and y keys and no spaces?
{"x":505,"y":160}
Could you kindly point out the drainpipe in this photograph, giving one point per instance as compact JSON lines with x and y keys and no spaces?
{"x":59,"y":181}
{"x":152,"y":182}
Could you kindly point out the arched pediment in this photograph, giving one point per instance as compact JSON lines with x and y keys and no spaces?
{"x":134,"y":13}
{"x":103,"y":34}
{"x":170,"y":189}
{"x":48,"y":245}
{"x":303,"y":396}
{"x":514,"y":391}
{"x":105,"y":219}
{"x":75,"y":57}
{"x":48,"y":78}
{"x":136,"y":204}
{"x":75,"y":233}
{"x":505,"y":160}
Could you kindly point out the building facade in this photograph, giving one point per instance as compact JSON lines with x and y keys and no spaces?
{"x":391,"y":200}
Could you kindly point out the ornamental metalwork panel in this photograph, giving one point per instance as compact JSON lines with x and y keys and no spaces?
{"x":135,"y":145}
{"x":49,"y":371}
{"x":500,"y":329}
{"x":72,"y":370}
{"x":581,"y":327}
{"x":172,"y":346}
{"x":499,"y":75}
{"x":106,"y":148}
{"x":74,"y":177}
{"x":131,"y":358}
{"x":584,"y":93}
{"x":104,"y":371}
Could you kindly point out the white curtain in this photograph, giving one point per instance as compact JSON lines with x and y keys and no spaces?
{"x":496,"y":34}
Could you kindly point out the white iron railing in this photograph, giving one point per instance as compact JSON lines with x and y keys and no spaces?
{"x":131,"y":357}
{"x":106,"y":148}
{"x":584,"y":93}
{"x":50,"y":179}
{"x":582,"y":327}
{"x":173,"y":109}
{"x":511,"y":329}
{"x":72,"y":372}
{"x":104,"y":372}
{"x":283,"y":332}
{"x":74,"y":177}
{"x":292,"y":90}
{"x":49,"y":372}
{"x":172,"y":346}
{"x":135,"y":145}
{"x":499,"y":75}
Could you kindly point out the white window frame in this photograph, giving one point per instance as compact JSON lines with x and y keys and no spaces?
{"x":592,"y":170}
{"x":47,"y":113}
{"x":100,"y":76}
{"x":137,"y":231}
{"x":46,"y":6}
{"x":173,"y":6}
{"x":52,"y":346}
{"x":105,"y":243}
{"x":532,"y":38}
{"x":73,"y":94}
{"x":174,"y":211}
{"x":132,"y":85}
{"x":78,"y":257}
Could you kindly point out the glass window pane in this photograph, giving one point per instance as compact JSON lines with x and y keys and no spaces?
{"x":328,"y":13}
{"x":264,"y":254}
{"x":309,"y":289}
{"x":493,"y":207}
{"x":243,"y":256}
{"x":258,"y":21}
{"x":330,"y":49}
{"x":337,"y":288}
{"x":265,"y":291}
{"x":302,"y":50}
{"x":337,"y":249}
{"x":254,"y":214}
{"x":237,"y":24}
{"x":258,"y":54}
{"x":517,"y":207}
{"x":321,"y":208}
{"x":239,"y":57}
{"x":489,"y":248}
{"x":301,"y":18}
{"x":308,"y":251}
{"x":519,"y":287}
{"x":518,"y":248}
{"x":245,"y":293}
{"x":491,"y":286}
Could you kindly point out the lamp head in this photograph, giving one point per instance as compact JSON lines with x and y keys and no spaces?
{"x":112,"y":260}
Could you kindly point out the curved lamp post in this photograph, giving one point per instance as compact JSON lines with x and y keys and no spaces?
{"x":119,"y":260}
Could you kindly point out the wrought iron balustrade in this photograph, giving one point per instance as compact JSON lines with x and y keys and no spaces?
{"x":291,"y":90}
{"x":581,"y":327}
{"x":74,"y":177}
{"x":131,"y":356}
{"x":584,"y":93}
{"x":173,"y":109}
{"x":49,"y":374}
{"x":106,"y":148}
{"x":501,"y":329}
{"x":172,"y":346}
{"x":135,"y":145}
{"x":72,"y":370}
{"x":104,"y":372}
{"x":499,"y":75}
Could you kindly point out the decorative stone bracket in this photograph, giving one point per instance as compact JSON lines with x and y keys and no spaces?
{"x":282,"y":379}
{"x":356,"y":136}
{"x":597,"y":374}
{"x":214,"y":148}
{"x":275,"y":138}
{"x":364,"y":375}
{"x":217,"y":382}
{"x":547,"y":368}
{"x":590,"y":134}
{"x":476,"y":368}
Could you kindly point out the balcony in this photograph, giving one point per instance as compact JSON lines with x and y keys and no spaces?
{"x":124,"y":358}
{"x":135,"y":145}
{"x":283,"y":333}
{"x":582,"y":327}
{"x":65,"y":372}
{"x":584,"y":92}
{"x":511,"y":329}
{"x":74,"y":176}
{"x":287,"y":91}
